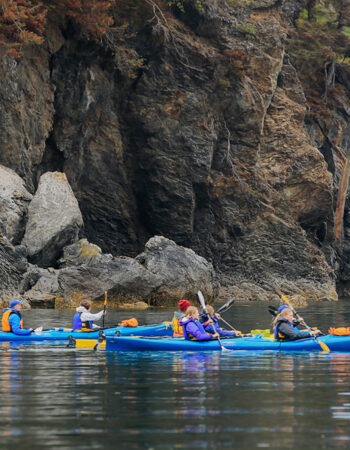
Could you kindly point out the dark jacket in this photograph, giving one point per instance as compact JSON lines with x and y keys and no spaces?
{"x":284,"y":331}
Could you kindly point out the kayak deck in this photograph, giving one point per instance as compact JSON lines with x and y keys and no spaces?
{"x":63,"y":334}
{"x":255,"y":343}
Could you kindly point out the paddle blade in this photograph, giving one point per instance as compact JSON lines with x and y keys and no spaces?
{"x":285,"y":299}
{"x":201,"y":300}
{"x":273,"y":310}
{"x":38,"y":330}
{"x":226,"y":306}
{"x":105,"y":302}
{"x":324,"y":346}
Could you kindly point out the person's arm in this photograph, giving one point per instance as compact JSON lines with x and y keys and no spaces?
{"x":209,"y":327}
{"x":86,"y":316}
{"x":194,"y":330}
{"x":15,"y":323}
{"x":226,"y":333}
{"x":288,"y":331}
{"x":220,"y":331}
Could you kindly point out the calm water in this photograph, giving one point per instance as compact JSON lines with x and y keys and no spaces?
{"x":56,"y":397}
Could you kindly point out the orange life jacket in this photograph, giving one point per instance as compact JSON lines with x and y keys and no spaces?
{"x":5,"y":320}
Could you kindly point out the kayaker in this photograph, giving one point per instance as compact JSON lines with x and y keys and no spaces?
{"x":296,"y":322}
{"x":192,"y":328}
{"x":12,"y":321}
{"x":211,"y":323}
{"x":183,"y":304}
{"x":284,"y":327}
{"x":83,"y":319}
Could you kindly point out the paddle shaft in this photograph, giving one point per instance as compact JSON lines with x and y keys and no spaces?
{"x":232,"y":328}
{"x":104,"y":310}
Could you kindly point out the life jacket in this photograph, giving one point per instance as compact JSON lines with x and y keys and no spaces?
{"x":177,"y":328}
{"x":279,"y":336}
{"x":184,"y":324}
{"x":79,"y":325}
{"x":5,"y":322}
{"x":203,"y":317}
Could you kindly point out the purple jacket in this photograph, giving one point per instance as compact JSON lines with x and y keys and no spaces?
{"x":193,"y":329}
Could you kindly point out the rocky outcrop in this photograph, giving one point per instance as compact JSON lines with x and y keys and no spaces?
{"x":40,"y":287}
{"x":207,"y":144}
{"x":26,"y":111}
{"x":54,"y":220}
{"x":162,"y":274}
{"x":14,"y":200}
{"x":12,"y":268}
{"x":82,"y":252}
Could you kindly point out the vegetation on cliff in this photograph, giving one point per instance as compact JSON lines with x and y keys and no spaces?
{"x":319,"y":43}
{"x":319,"y":38}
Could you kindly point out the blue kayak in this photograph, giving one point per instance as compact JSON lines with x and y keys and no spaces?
{"x":63,"y":334}
{"x":124,"y":343}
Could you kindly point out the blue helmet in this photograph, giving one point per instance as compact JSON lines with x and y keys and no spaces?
{"x":281,"y":308}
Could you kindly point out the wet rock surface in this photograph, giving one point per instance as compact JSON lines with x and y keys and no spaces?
{"x":207,"y":144}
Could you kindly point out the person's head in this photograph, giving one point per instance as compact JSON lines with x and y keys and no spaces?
{"x":86,"y":304}
{"x":183,"y":305}
{"x":286,"y":313}
{"x":192,"y":312}
{"x":210,"y":310}
{"x":16,"y":304}
{"x":281,"y":308}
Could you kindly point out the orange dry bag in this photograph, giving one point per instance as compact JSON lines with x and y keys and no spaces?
{"x":341,"y":331}
{"x":130,"y":322}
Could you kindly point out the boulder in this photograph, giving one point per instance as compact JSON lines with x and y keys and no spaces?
{"x":163,"y":273}
{"x":39,"y":287}
{"x":123,"y":277}
{"x":54,"y":219}
{"x":14,"y":200}
{"x":182,"y":272}
{"x":82,"y":252}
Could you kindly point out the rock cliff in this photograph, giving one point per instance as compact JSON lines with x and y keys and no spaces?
{"x":201,"y":135}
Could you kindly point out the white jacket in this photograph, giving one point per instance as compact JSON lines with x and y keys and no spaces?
{"x":86,"y":316}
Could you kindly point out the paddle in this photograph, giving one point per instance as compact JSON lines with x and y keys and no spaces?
{"x":202,"y":302}
{"x":273,"y":310}
{"x":104,"y":310}
{"x":226,"y":306}
{"x":324,"y":346}
{"x":38,"y":330}
{"x":101,"y":338}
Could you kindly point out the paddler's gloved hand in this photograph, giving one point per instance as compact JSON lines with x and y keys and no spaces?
{"x":315,"y":332}
{"x":215,"y":335}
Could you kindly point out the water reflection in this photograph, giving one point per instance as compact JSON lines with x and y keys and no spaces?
{"x":56,"y":397}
